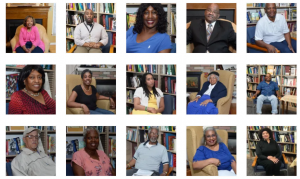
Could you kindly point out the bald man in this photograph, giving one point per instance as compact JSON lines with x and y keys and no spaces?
{"x":211,"y":35}
{"x":272,"y":32}
{"x":89,"y":36}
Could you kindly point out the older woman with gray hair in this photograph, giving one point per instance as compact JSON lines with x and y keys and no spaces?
{"x":91,"y":160}
{"x":213,"y":151}
{"x":207,"y":98}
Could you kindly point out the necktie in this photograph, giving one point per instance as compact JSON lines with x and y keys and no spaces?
{"x":208,"y":31}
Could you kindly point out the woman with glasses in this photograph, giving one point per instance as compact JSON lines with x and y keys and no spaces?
{"x":207,"y":98}
{"x":213,"y":151}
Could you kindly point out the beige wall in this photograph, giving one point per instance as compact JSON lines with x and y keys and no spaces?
{"x":51,"y":37}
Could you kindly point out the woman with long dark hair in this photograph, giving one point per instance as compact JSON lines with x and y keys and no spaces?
{"x":149,"y":33}
{"x":147,"y":98}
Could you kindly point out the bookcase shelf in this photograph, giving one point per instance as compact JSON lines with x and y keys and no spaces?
{"x":104,"y":136}
{"x":97,"y":14}
{"x":159,"y":77}
{"x":291,"y":155}
{"x":141,"y":132}
{"x":51,"y":77}
{"x":44,"y":132}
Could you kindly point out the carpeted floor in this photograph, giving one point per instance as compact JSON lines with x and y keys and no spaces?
{"x":266,"y":109}
{"x":250,"y":171}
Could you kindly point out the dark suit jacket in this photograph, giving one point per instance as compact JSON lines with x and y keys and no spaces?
{"x":221,"y":38}
{"x":217,"y":93}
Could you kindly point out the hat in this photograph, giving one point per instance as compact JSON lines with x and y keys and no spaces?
{"x":30,"y":129}
{"x":214,"y":73}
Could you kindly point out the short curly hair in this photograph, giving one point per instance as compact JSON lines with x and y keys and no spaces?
{"x":25,"y":20}
{"x":162,"y":23}
{"x":265,"y":129}
{"x":85,"y":71}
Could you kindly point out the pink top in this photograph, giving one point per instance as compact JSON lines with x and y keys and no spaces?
{"x":32,"y":36}
{"x":93,"y":167}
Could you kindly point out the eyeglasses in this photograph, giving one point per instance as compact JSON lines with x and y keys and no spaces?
{"x":209,"y":136}
{"x":33,"y":136}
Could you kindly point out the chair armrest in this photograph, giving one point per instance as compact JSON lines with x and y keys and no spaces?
{"x":250,"y":45}
{"x":284,"y":158}
{"x":223,"y":100}
{"x":76,"y":110}
{"x":46,"y":43}
{"x":111,"y":49}
{"x":103,"y":104}
{"x":294,"y":38}
{"x":254,"y":162}
{"x":13,"y":43}
{"x":210,"y":170}
{"x":170,"y":170}
{"x":72,"y":49}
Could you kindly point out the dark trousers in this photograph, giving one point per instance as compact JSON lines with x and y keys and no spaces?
{"x":130,"y":172}
{"x":29,"y":45}
{"x":270,"y":167}
{"x":283,"y":46}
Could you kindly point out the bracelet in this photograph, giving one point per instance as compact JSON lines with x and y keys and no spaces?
{"x":145,"y":108}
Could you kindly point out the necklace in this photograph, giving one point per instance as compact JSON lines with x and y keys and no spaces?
{"x":35,"y":95}
{"x":85,"y":89}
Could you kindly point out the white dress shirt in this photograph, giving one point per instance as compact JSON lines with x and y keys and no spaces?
{"x":269,"y":31}
{"x":208,"y":91}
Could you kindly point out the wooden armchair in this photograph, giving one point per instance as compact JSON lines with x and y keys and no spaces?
{"x":111,"y":49}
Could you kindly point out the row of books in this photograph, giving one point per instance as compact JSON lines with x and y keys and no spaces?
{"x":274,"y":128}
{"x":11,"y":83}
{"x":41,"y":128}
{"x":252,"y":70}
{"x":131,"y":135}
{"x":251,"y":86}
{"x":169,"y":141}
{"x":172,"y":162}
{"x":70,"y":32}
{"x":250,"y":94}
{"x":108,"y":22}
{"x":112,"y":128}
{"x":112,"y":146}
{"x":289,"y":91}
{"x":289,"y":70}
{"x":45,"y":66}
{"x":142,"y":68}
{"x":108,"y":8}
{"x":76,"y":19}
{"x":277,"y":5}
{"x":51,"y":143}
{"x":169,"y":85}
{"x":168,"y":128}
{"x":111,"y":38}
{"x":279,"y":137}
{"x":173,"y":23}
{"x":130,"y":20}
{"x":251,"y":79}
{"x":69,"y":45}
{"x":81,"y":6}
{"x":288,"y":81}
{"x":273,"y":70}
{"x":169,"y":69}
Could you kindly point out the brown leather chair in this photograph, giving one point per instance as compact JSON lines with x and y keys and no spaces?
{"x":228,"y":79}
{"x":194,"y":135}
{"x":43,"y":36}
{"x":190,"y":47}
{"x":74,"y":80}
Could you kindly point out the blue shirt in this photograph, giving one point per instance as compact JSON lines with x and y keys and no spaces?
{"x":154,"y":44}
{"x":223,"y":154}
{"x":267,"y":89}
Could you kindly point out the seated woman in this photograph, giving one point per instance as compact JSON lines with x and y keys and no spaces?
{"x":85,"y":96}
{"x":29,"y":38}
{"x":213,"y":151}
{"x":207,"y":98}
{"x":147,"y":98}
{"x":268,"y":152}
{"x":90,"y":161}
{"x":149,"y":32}
{"x":31,"y":97}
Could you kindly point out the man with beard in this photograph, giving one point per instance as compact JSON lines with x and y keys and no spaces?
{"x":149,"y":155}
{"x":89,"y":36}
{"x":33,"y":161}
{"x":272,"y":32}
{"x":267,"y":89}
{"x":210,"y":35}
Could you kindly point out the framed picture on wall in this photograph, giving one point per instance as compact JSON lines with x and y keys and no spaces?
{"x":75,"y":129}
{"x":16,"y":128}
{"x":193,"y":81}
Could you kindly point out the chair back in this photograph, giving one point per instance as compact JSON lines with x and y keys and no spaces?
{"x":251,"y":34}
{"x":8,"y":169}
{"x":168,"y":100}
{"x":69,"y":170}
{"x":74,"y":80}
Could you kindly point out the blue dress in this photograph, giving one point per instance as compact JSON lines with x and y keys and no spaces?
{"x":222,"y":154}
{"x":154,"y":44}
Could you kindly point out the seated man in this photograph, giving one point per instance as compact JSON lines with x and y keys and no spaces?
{"x":33,"y":161}
{"x":89,"y":36}
{"x":149,"y":155}
{"x":211,"y":35}
{"x":272,"y":32}
{"x":267,"y":89}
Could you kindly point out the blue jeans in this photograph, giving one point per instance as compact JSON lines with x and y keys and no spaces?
{"x":283,"y":46}
{"x":100,"y":111}
{"x":260,"y":100}
{"x":29,"y":45}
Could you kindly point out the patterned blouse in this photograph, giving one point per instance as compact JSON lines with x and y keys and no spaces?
{"x":22,"y":103}
{"x":93,"y":167}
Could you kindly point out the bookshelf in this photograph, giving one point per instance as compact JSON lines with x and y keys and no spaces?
{"x":160,"y":73}
{"x":285,"y":75}
{"x":289,"y":10}
{"x":46,"y":133}
{"x":170,"y":8}
{"x":135,"y":135}
{"x":288,"y":143}
{"x":106,"y":134}
{"x":101,"y":10}
{"x":49,"y":69}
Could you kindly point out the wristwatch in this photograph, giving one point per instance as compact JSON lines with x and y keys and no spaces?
{"x":166,"y":173}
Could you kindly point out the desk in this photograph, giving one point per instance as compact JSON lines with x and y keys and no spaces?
{"x":285,"y":100}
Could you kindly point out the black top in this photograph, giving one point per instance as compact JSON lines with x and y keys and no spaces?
{"x":265,"y":149}
{"x":222,"y":36}
{"x":88,"y":100}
